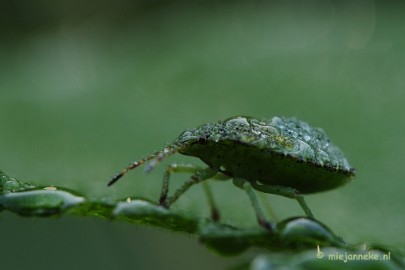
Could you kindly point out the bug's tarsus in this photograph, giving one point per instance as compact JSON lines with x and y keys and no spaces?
{"x":162,"y":201}
{"x":215,"y":216}
{"x":268,"y":226}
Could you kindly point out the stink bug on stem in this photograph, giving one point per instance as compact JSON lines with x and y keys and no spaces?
{"x":282,"y":156}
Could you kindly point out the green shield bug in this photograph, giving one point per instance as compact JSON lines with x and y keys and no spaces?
{"x":282,"y":156}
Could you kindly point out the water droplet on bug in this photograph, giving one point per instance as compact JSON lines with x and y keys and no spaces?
{"x":303,"y":149}
{"x":239,"y":120}
{"x":346,"y":165}
{"x":292,"y":133}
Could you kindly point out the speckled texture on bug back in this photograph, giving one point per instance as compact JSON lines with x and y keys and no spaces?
{"x":281,"y":151}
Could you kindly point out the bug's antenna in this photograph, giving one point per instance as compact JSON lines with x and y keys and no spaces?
{"x":130,"y":167}
{"x":165,"y":153}
{"x":155,"y":157}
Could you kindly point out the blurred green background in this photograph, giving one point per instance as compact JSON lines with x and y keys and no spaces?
{"x":86,"y":87}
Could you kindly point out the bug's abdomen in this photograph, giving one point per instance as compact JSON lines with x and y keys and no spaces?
{"x":267,"y":167}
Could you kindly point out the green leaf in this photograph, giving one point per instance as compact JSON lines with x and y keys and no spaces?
{"x":296,"y":239}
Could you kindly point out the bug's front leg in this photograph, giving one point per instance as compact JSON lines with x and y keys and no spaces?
{"x":199,"y":175}
{"x":174,"y":168}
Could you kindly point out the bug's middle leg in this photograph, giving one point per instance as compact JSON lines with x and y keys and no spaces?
{"x":215,"y":216}
{"x":245,"y":185}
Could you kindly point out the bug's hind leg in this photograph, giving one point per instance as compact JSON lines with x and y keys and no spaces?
{"x":245,"y":185}
{"x":286,"y":192}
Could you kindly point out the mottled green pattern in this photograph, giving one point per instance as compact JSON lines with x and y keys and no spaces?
{"x":287,"y":136}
